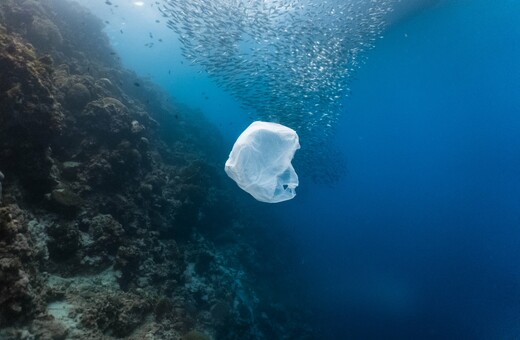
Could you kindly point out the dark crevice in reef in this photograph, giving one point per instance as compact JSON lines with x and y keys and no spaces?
{"x":114,"y":219}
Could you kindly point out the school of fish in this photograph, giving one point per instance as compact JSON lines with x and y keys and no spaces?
{"x":286,"y":61}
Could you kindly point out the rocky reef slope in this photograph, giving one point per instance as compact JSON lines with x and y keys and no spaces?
{"x":114,"y":220}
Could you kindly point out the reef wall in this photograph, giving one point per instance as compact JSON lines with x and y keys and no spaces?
{"x":114,"y":218}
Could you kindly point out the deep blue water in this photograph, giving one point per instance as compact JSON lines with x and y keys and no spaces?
{"x":421,"y":238}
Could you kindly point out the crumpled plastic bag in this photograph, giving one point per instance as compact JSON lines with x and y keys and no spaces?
{"x":260,"y":162}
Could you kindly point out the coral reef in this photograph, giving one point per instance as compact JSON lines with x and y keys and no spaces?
{"x":114,"y":221}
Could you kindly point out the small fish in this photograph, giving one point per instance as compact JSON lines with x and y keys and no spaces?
{"x":136,"y":84}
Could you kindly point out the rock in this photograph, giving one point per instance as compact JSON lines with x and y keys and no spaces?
{"x":65,"y":198}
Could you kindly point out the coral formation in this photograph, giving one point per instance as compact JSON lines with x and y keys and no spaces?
{"x":19,"y":286}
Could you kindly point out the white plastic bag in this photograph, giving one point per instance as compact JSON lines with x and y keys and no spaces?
{"x":260,"y":162}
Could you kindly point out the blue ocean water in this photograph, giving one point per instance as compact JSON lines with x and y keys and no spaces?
{"x":421,"y":238}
